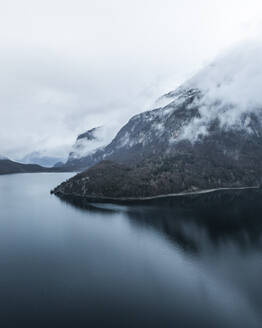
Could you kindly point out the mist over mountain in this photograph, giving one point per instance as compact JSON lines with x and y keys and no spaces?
{"x":225,"y":93}
{"x":231,"y":89}
{"x":88,"y":143}
{"x":91,"y":140}
{"x":2,"y":157}
{"x":208,"y":135}
{"x":39,"y":158}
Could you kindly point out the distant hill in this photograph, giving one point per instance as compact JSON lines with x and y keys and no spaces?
{"x":7,"y":167}
{"x":38,"y":158}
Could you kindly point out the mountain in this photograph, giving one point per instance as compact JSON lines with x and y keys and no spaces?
{"x":209,"y":135}
{"x":138,"y":138}
{"x":8,"y":166}
{"x":40,"y":159}
{"x":58,"y":164}
{"x":2,"y":157}
{"x":87,"y":144}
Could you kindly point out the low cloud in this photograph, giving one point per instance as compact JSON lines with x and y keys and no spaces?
{"x":47,"y":101}
{"x":69,"y":66}
{"x":231,"y":87}
{"x":102,"y":136}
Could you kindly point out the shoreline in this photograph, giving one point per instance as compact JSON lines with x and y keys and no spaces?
{"x":120,"y":199}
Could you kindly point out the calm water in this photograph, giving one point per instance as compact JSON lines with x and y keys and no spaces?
{"x":188,"y":262}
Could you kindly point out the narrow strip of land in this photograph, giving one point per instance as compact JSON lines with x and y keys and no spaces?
{"x":186,"y":193}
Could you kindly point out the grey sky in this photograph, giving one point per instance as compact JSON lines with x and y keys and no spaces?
{"x":67,"y":66}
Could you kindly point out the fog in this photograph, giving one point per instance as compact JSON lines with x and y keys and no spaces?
{"x":231,"y":87}
{"x":103,"y":135}
{"x":68,"y":66}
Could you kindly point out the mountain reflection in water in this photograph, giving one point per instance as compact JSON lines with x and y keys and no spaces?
{"x":196,"y":222}
{"x":220,"y":232}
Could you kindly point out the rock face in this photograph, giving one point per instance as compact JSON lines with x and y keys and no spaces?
{"x":209,"y":135}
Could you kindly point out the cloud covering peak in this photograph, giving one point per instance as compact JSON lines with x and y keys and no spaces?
{"x":230,"y":90}
{"x":234,"y":77}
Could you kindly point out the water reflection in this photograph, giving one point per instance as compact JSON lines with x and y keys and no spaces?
{"x":181,"y":262}
{"x":199,"y":221}
{"x":220,"y":234}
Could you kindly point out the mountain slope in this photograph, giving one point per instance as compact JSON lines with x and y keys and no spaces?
{"x":208,"y":136}
{"x":146,"y":134}
{"x":7,"y":167}
{"x":153,"y":161}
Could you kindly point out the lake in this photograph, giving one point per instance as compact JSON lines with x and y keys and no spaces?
{"x":193,"y":261}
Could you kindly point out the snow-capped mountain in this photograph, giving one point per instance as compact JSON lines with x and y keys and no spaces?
{"x":208,"y":135}
{"x":85,"y":143}
{"x":224,"y":96}
{"x":139,"y":137}
{"x":89,"y":143}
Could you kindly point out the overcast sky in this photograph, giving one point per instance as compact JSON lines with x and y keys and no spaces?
{"x":69,"y":65}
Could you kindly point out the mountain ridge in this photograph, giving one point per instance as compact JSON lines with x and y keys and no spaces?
{"x":8,"y":166}
{"x":147,"y":159}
